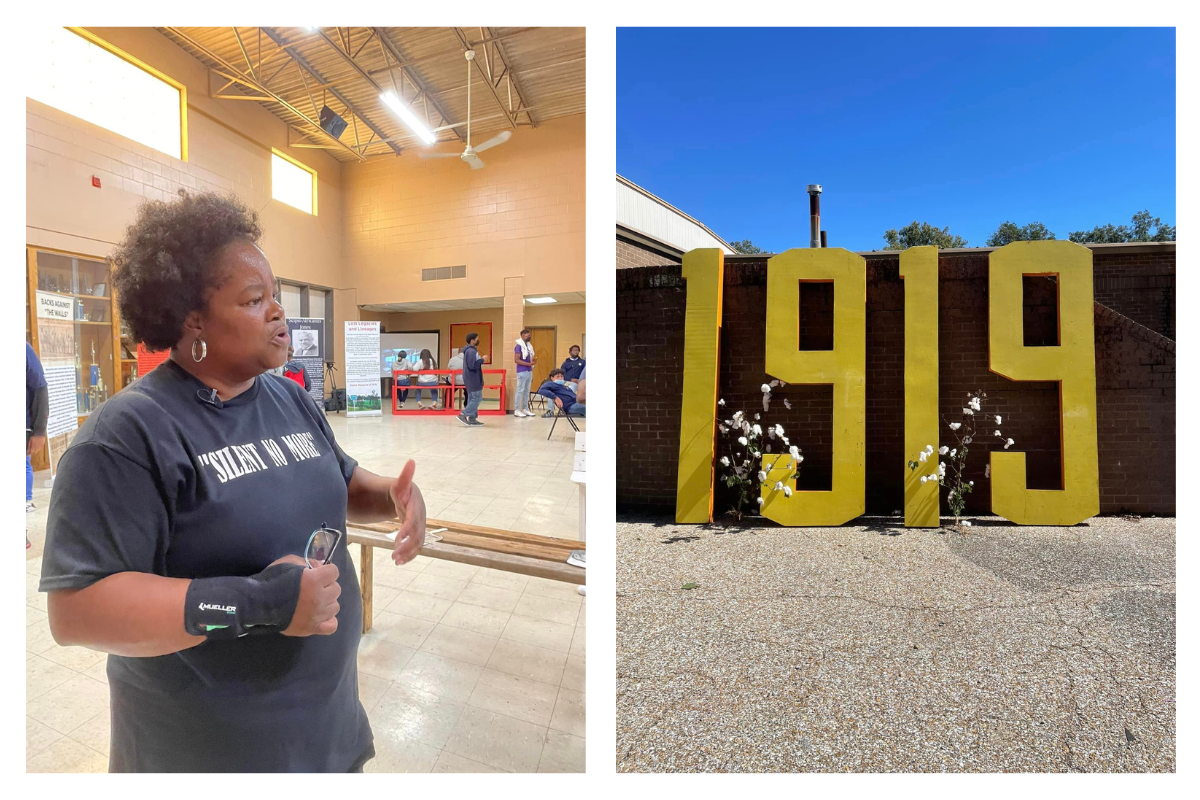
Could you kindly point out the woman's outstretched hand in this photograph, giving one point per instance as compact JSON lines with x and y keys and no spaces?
{"x":410,"y":510}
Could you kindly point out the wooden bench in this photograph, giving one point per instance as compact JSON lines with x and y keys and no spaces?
{"x":510,"y":551}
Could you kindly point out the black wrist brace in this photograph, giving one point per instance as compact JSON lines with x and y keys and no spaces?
{"x":227,"y":608}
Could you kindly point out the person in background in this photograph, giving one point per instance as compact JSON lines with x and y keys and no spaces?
{"x":526,"y":358}
{"x":472,"y":380}
{"x":556,"y":387}
{"x":427,"y":362}
{"x":294,"y":370}
{"x":581,"y":392}
{"x":455,"y":363}
{"x":402,"y":380}
{"x":573,"y":366}
{"x":37,"y":410}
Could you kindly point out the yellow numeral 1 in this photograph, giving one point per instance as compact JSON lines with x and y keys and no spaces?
{"x":844,"y":367}
{"x":1072,"y":364}
{"x":919,"y":270}
{"x":704,"y":271}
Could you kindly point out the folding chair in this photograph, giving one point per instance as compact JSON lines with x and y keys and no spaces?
{"x":559,"y":413}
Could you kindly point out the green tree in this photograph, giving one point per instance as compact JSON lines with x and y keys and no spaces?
{"x":1139,"y":231}
{"x":1012,"y":232}
{"x":921,"y":233}
{"x":746,"y":247}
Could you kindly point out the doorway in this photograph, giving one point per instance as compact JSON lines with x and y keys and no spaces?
{"x":545,"y":345}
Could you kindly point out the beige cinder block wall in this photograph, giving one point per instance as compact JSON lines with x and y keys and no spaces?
{"x":229,"y":150}
{"x":517,"y":224}
{"x":442,"y":320}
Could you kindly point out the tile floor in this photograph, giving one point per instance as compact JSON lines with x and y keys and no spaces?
{"x":466,"y":669}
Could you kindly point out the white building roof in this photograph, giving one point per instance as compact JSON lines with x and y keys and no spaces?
{"x":642,"y":212}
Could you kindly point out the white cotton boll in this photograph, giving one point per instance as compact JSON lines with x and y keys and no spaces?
{"x":779,"y":486}
{"x":955,"y":426}
{"x":997,"y":433}
{"x":1009,"y":444}
{"x":943,"y":450}
{"x":970,"y":483}
{"x":761,"y":501}
{"x":924,"y":478}
{"x":952,"y":452}
{"x":799,"y":459}
{"x":922,"y":456}
{"x":968,"y":412}
{"x":787,"y":491}
{"x":724,"y":461}
{"x":987,"y":471}
{"x":997,"y":419}
{"x":758,"y":416}
{"x":794,"y":451}
{"x":766,"y":389}
{"x":966,"y":523}
{"x":757,"y":430}
{"x":762,"y":476}
{"x":779,"y":429}
{"x":745,"y":427}
{"x":786,"y":404}
{"x":742,"y":441}
{"x":929,"y":449}
{"x":721,"y":403}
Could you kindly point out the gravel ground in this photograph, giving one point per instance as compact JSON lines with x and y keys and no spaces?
{"x":872,"y":648}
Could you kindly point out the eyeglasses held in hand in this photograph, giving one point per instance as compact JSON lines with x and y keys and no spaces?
{"x":320,"y":547}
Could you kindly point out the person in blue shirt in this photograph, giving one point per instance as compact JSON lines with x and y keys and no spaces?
{"x":37,"y":409}
{"x":556,"y":388}
{"x":574,"y":366}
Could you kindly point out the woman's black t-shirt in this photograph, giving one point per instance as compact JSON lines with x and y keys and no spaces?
{"x":166,"y":479}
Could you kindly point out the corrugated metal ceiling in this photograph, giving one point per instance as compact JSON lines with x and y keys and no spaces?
{"x":522,"y":77}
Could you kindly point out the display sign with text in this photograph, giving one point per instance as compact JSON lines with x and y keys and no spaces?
{"x":363,"y":397}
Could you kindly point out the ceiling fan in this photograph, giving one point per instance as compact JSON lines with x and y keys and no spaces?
{"x":471,"y":154}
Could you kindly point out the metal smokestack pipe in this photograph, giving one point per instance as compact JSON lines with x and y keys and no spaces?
{"x":814,"y":213}
{"x":824,"y":241}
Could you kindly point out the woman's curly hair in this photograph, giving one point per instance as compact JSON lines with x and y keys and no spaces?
{"x":165,"y":265}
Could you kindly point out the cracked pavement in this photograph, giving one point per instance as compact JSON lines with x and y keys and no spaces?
{"x":872,"y":648}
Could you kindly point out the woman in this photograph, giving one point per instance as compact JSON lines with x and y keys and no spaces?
{"x":181,"y":511}
{"x":427,"y":362}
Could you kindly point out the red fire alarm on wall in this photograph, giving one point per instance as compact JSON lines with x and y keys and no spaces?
{"x":96,"y":181}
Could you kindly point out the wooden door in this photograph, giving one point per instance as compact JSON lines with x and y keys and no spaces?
{"x":545,"y":345}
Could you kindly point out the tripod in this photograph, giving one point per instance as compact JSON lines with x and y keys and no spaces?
{"x":331,"y":381}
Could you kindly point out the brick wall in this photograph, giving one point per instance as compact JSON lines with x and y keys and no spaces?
{"x":631,"y":254}
{"x":1135,"y":385}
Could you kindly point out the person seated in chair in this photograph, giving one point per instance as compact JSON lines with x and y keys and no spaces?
{"x":556,"y":389}
{"x":573,"y":367}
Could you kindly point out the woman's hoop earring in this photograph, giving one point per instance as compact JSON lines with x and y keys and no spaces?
{"x":203,"y":350}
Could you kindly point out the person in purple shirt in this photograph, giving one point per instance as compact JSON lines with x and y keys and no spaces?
{"x":526,"y":358}
{"x":556,"y":388}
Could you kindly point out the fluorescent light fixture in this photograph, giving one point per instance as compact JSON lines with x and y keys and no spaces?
{"x":540,"y":301}
{"x":410,"y":119}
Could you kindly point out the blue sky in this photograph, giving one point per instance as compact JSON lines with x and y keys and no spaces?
{"x":959,"y":127}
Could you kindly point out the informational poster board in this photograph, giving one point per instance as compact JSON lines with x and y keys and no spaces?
{"x":56,"y":340}
{"x":362,"y":369}
{"x":308,"y":345}
{"x":56,"y":343}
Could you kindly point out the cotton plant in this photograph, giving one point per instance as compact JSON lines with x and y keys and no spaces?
{"x":952,"y":474}
{"x":749,"y":439}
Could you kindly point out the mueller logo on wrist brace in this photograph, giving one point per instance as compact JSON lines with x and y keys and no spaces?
{"x":212,"y":607}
